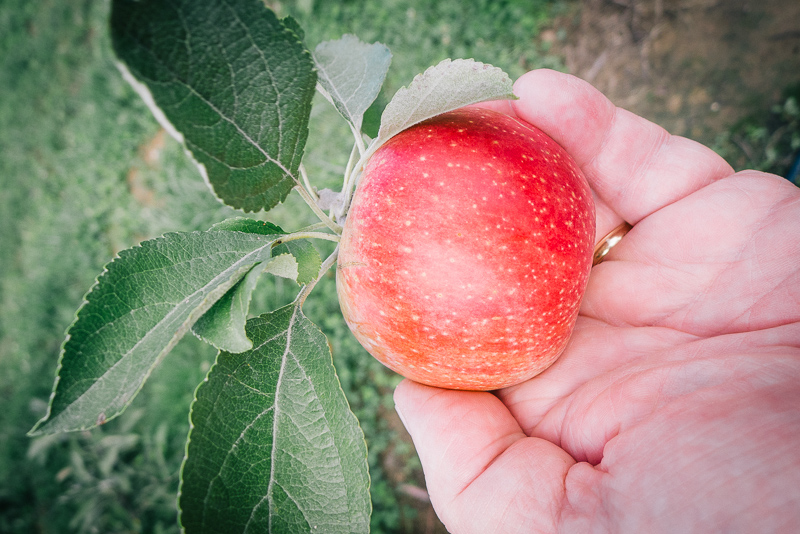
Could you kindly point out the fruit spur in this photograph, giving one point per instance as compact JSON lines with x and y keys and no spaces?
{"x":466,"y":251}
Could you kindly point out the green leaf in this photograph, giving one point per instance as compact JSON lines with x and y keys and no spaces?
{"x":228,"y":79}
{"x":292,"y":24}
{"x":223,"y":324}
{"x":351,"y":74}
{"x":447,"y":86}
{"x":139,"y":308}
{"x":305,"y":255}
{"x":250,"y":226}
{"x":307,"y":258}
{"x":274,"y":446}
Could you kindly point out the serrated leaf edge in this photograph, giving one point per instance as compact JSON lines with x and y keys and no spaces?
{"x":206,"y":304}
{"x":147,"y":97}
{"x":298,"y":309}
{"x":383,"y":136}
{"x":353,"y":118}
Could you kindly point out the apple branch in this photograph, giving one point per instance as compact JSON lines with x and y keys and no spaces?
{"x":313,"y":227}
{"x":347,"y":184}
{"x":350,"y":183}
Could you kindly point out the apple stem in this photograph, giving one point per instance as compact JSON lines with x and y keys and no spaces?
{"x":359,"y":139}
{"x":354,"y":157}
{"x":327,"y":264}
{"x":349,"y":189}
{"x":351,"y":178}
{"x":347,"y":183}
{"x":317,"y":210}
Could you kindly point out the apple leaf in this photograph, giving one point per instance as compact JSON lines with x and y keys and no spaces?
{"x":307,"y":262}
{"x":293,"y":25}
{"x":223,"y":325}
{"x":351,"y":74}
{"x":250,"y":226}
{"x":304,"y":253}
{"x":444,"y":87}
{"x":142,"y":304}
{"x":229,"y":80}
{"x":274,"y":446}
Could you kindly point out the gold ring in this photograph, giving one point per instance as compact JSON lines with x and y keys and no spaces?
{"x":607,"y":243}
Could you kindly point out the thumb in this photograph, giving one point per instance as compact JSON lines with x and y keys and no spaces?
{"x":482,"y":472}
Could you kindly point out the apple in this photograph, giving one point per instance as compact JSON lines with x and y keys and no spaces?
{"x":466,"y":251}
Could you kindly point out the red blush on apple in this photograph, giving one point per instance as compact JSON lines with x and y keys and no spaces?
{"x":466,"y":251}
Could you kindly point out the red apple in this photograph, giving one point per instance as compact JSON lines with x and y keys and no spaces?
{"x":466,"y":251}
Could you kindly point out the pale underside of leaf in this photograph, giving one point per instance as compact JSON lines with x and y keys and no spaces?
{"x":307,"y":261}
{"x":274,"y":446}
{"x":444,"y":87}
{"x":144,"y":302}
{"x":284,"y":266}
{"x":351,"y":74}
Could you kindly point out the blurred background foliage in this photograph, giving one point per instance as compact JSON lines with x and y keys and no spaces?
{"x":768,"y":141}
{"x":85,"y":172}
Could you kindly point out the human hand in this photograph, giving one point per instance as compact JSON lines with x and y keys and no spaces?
{"x":676,"y":405}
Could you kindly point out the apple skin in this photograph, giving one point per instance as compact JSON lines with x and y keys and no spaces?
{"x":466,"y":251}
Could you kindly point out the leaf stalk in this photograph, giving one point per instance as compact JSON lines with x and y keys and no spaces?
{"x":309,"y":235}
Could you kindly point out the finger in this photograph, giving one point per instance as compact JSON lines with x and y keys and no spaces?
{"x":691,"y":266}
{"x":633,"y":165}
{"x":483,"y":473}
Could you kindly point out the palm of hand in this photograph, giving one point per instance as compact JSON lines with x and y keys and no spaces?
{"x":674,"y":408}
